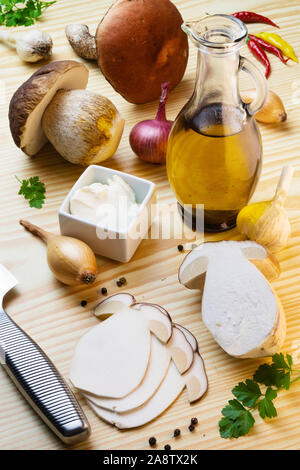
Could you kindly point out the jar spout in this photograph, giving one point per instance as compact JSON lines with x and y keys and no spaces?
{"x":190,"y":29}
{"x":216,"y":32}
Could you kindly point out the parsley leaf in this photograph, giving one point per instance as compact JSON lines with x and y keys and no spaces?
{"x":237,"y":420}
{"x":21,"y":12}
{"x":266,"y":407}
{"x":237,"y":417}
{"x":266,"y":375}
{"x":33,"y":190}
{"x":279,"y":363}
{"x":278,"y":373}
{"x":247,"y":392}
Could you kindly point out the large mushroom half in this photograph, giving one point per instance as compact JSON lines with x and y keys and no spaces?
{"x":83,"y":126}
{"x":29,"y":102}
{"x":239,"y":306}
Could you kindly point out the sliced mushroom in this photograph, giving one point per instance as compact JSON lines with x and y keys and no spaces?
{"x":238,"y":305}
{"x":194,"y":380}
{"x":29,"y":102}
{"x":158,"y":366}
{"x":112,"y":358}
{"x":157,"y":369}
{"x":113,"y":304}
{"x":189,"y":336}
{"x":181,"y":350}
{"x":159,"y":323}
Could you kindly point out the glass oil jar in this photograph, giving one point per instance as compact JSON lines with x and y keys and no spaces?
{"x":214,"y":151}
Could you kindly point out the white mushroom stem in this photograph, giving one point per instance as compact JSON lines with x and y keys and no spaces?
{"x":31,"y":46}
{"x":82,"y":41}
{"x":82,"y":126}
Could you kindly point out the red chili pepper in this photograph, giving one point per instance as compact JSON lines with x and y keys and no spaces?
{"x":258,"y":51}
{"x":274,"y":50}
{"x":251,"y":17}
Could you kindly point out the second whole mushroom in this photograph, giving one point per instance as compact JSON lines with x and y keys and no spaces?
{"x":53,"y":105}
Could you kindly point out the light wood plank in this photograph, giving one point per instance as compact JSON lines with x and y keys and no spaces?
{"x":51,"y":313}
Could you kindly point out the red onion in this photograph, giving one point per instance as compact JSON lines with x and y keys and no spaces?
{"x":149,"y":139}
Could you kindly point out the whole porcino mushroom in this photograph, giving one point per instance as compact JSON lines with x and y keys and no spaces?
{"x":82,"y":126}
{"x":53,"y":105}
{"x":140,"y":45}
{"x":31,"y":46}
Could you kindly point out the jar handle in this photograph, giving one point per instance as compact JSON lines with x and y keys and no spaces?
{"x":248,"y":66}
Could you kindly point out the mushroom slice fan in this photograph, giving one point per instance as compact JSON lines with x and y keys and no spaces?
{"x":136,"y":359}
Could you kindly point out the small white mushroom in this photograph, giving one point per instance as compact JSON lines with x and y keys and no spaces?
{"x":31,"y":46}
{"x":82,"y":41}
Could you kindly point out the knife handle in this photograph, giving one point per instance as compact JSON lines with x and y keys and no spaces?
{"x":41,"y":384}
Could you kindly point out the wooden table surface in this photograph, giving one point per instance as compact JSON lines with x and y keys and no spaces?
{"x":51,"y":312}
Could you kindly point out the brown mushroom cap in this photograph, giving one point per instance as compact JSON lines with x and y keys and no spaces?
{"x":31,"y":99}
{"x":140,"y":45}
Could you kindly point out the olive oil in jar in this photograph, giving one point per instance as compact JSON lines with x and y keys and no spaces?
{"x":214,"y":158}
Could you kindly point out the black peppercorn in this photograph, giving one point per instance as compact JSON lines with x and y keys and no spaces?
{"x":152,"y":441}
{"x":180,"y":247}
{"x":83,"y":303}
{"x":103,"y":291}
{"x":167,"y":447}
{"x":176,"y":432}
{"x":194,"y":421}
{"x":119,"y":283}
{"x":191,"y":427}
{"x":122,"y":280}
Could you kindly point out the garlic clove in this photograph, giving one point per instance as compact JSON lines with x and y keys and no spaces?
{"x":272,"y":111}
{"x":34,"y":45}
{"x":267,"y":222}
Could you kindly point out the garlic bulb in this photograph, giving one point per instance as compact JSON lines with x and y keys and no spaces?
{"x":267,"y":222}
{"x":31,"y":46}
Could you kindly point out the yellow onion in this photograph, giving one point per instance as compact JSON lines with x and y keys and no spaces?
{"x":71,"y":260}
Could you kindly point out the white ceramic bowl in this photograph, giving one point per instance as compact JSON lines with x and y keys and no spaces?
{"x":119,"y":246}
